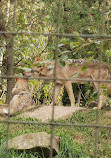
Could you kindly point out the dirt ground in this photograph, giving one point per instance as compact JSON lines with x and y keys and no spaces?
{"x":44,"y":113}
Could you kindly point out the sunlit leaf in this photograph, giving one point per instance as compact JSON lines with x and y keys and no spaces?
{"x":26,"y":69}
{"x":60,"y":45}
{"x":65,"y":41}
{"x":64,"y":52}
{"x":50,"y":66}
{"x":90,"y":52}
{"x":63,"y":59}
{"x":94,"y":95}
{"x":104,"y":87}
{"x":75,"y":75}
{"x":74,"y":44}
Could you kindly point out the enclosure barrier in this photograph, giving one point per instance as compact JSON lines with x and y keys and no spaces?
{"x":53,"y":124}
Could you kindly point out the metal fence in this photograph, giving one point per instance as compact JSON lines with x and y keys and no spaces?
{"x":58,"y":35}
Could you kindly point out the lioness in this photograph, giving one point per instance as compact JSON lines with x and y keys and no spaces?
{"x":77,"y":71}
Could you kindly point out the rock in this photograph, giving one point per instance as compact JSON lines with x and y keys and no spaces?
{"x":44,"y":113}
{"x":93,"y":104}
{"x":39,"y":142}
{"x":108,"y":113}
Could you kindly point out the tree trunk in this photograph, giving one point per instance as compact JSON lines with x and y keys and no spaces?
{"x":9,"y":50}
{"x":1,"y":59}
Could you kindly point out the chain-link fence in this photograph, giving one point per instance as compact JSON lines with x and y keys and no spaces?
{"x":54,"y":29}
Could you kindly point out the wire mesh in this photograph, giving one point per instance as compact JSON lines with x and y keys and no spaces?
{"x":101,"y":35}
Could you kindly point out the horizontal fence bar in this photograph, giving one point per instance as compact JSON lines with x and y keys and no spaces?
{"x":55,"y":124}
{"x":54,"y":78}
{"x":103,"y":36}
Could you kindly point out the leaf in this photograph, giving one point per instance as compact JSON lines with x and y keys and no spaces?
{"x":25,"y":69}
{"x":65,"y":41}
{"x":47,"y":18}
{"x":90,"y":52}
{"x":108,"y":92}
{"x":105,"y":46}
{"x":90,"y":59}
{"x":104,"y":87}
{"x":62,"y":59}
{"x":36,"y":65}
{"x":50,"y":66}
{"x":86,"y":44}
{"x":45,"y":62}
{"x":75,"y":75}
{"x":62,"y":63}
{"x":74,"y":44}
{"x":75,"y":64}
{"x":109,"y":53}
{"x":97,"y":42}
{"x":94,"y":95}
{"x":32,"y":82}
{"x":79,"y":38}
{"x":84,"y":68}
{"x":52,"y":47}
{"x":67,"y":51}
{"x":60,"y":45}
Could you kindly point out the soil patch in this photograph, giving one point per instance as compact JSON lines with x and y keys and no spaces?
{"x":44,"y":113}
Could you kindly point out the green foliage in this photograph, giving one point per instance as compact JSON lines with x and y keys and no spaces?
{"x":84,"y":68}
{"x":70,"y":149}
{"x":85,"y":94}
{"x":76,"y":17}
{"x":63,"y":60}
{"x":42,"y":92}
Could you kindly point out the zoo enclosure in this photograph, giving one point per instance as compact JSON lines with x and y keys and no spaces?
{"x":57,"y":35}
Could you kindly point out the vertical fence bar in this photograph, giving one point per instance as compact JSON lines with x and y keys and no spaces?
{"x":102,"y":27}
{"x":55,"y":74}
